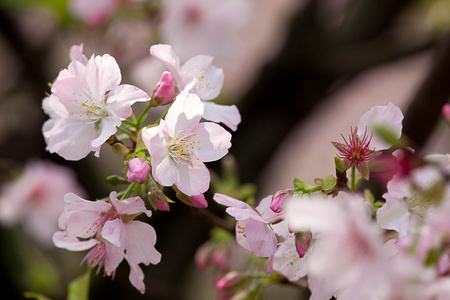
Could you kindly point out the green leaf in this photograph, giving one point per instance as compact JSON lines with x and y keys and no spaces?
{"x":79,"y":287}
{"x":300,"y":185}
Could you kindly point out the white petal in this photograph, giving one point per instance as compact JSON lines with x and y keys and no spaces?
{"x":214,"y":141}
{"x":122,"y":97}
{"x":192,"y":180}
{"x":168,"y":57}
{"x":61,"y":240}
{"x":389,"y":117}
{"x":102,"y":74}
{"x":113,"y":231}
{"x":185,"y":112}
{"x":106,"y":128}
{"x":226,"y":114}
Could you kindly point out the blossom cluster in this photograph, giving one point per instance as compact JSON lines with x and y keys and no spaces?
{"x":342,"y":243}
{"x":88,"y":107}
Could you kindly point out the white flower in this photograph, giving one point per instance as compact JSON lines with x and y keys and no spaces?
{"x":199,"y":76}
{"x":86,"y":106}
{"x":180,"y":145}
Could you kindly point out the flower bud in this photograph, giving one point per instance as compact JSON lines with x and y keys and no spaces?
{"x":158,"y":200}
{"x":302,"y":242}
{"x":229,"y":279}
{"x":203,"y":255}
{"x":138,"y":170}
{"x":164,"y":91}
{"x":278,"y":200}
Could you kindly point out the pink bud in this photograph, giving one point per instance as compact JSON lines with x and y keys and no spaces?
{"x":198,"y":201}
{"x":278,"y":200}
{"x":446,"y":112}
{"x":202,"y":257}
{"x":219,"y":259}
{"x":164,"y":93}
{"x":302,"y":241}
{"x":138,"y":170}
{"x":229,"y":279}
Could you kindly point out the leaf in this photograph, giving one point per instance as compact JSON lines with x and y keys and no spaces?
{"x":79,"y":287}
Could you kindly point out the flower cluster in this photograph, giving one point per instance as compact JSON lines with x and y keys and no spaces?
{"x":88,"y":106}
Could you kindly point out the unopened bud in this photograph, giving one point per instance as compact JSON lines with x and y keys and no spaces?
{"x":158,"y":200}
{"x":278,"y":200}
{"x":230,"y":279}
{"x":164,"y":92}
{"x":138,"y":170}
{"x":446,"y":112}
{"x":302,"y":241}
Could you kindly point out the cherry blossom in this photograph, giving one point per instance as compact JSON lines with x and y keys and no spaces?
{"x":86,"y":106}
{"x":180,"y":145}
{"x":109,"y":229}
{"x":252,"y":224}
{"x":138,"y":170}
{"x":200,"y":77}
{"x":35,"y":199}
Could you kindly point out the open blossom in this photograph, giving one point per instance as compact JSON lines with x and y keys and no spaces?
{"x":35,"y":199}
{"x":86,"y":105}
{"x":108,"y":228}
{"x":180,"y":145}
{"x":362,"y":144}
{"x":252,"y":224}
{"x":199,"y":76}
{"x":404,"y":203}
{"x":341,"y":226}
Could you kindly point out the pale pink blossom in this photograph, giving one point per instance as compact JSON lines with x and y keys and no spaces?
{"x":180,"y":145}
{"x":404,"y":205}
{"x":109,"y":229}
{"x":341,"y":226}
{"x":389,"y":117}
{"x":35,"y":199}
{"x":205,"y":26}
{"x":138,"y":170}
{"x":253,"y":230}
{"x":199,"y":76}
{"x":286,"y":260}
{"x":93,"y":12}
{"x":86,"y":106}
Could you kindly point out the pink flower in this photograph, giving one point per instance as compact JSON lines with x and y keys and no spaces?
{"x":180,"y":145}
{"x":164,"y":92}
{"x":108,"y":228}
{"x":200,"y":77}
{"x":35,"y":199}
{"x":93,"y":12}
{"x":138,"y":170}
{"x":340,"y":226}
{"x":86,"y":106}
{"x":362,"y":143}
{"x":252,"y":224}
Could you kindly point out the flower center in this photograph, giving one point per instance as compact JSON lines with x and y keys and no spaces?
{"x":356,"y":150}
{"x":183,"y":149}
{"x":91,"y":110}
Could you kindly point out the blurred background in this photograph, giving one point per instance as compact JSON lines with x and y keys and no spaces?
{"x":301,"y":73}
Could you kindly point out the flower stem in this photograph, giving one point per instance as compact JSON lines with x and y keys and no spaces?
{"x":141,"y":117}
{"x":124,"y":131}
{"x":353,"y":179}
{"x":127,"y":191}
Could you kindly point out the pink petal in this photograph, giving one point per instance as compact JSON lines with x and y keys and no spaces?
{"x":113,"y":231}
{"x":122,"y":97}
{"x":61,"y":240}
{"x":168,"y":57}
{"x":192,"y":180}
{"x":261,"y":239}
{"x":102,"y":74}
{"x":185,"y":113}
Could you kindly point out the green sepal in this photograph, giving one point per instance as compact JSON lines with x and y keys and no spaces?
{"x":301,"y":186}
{"x":120,"y":149}
{"x":140,"y":146}
{"x":78,"y":288}
{"x":328,"y":183}
{"x":116,"y":180}
{"x":339,"y":163}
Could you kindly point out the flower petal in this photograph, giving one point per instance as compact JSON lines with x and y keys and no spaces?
{"x":192,"y":180}
{"x":122,"y":97}
{"x":226,"y":114}
{"x":185,"y":112}
{"x":61,"y":240}
{"x":261,"y":239}
{"x":214,"y":141}
{"x":102,"y":74}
